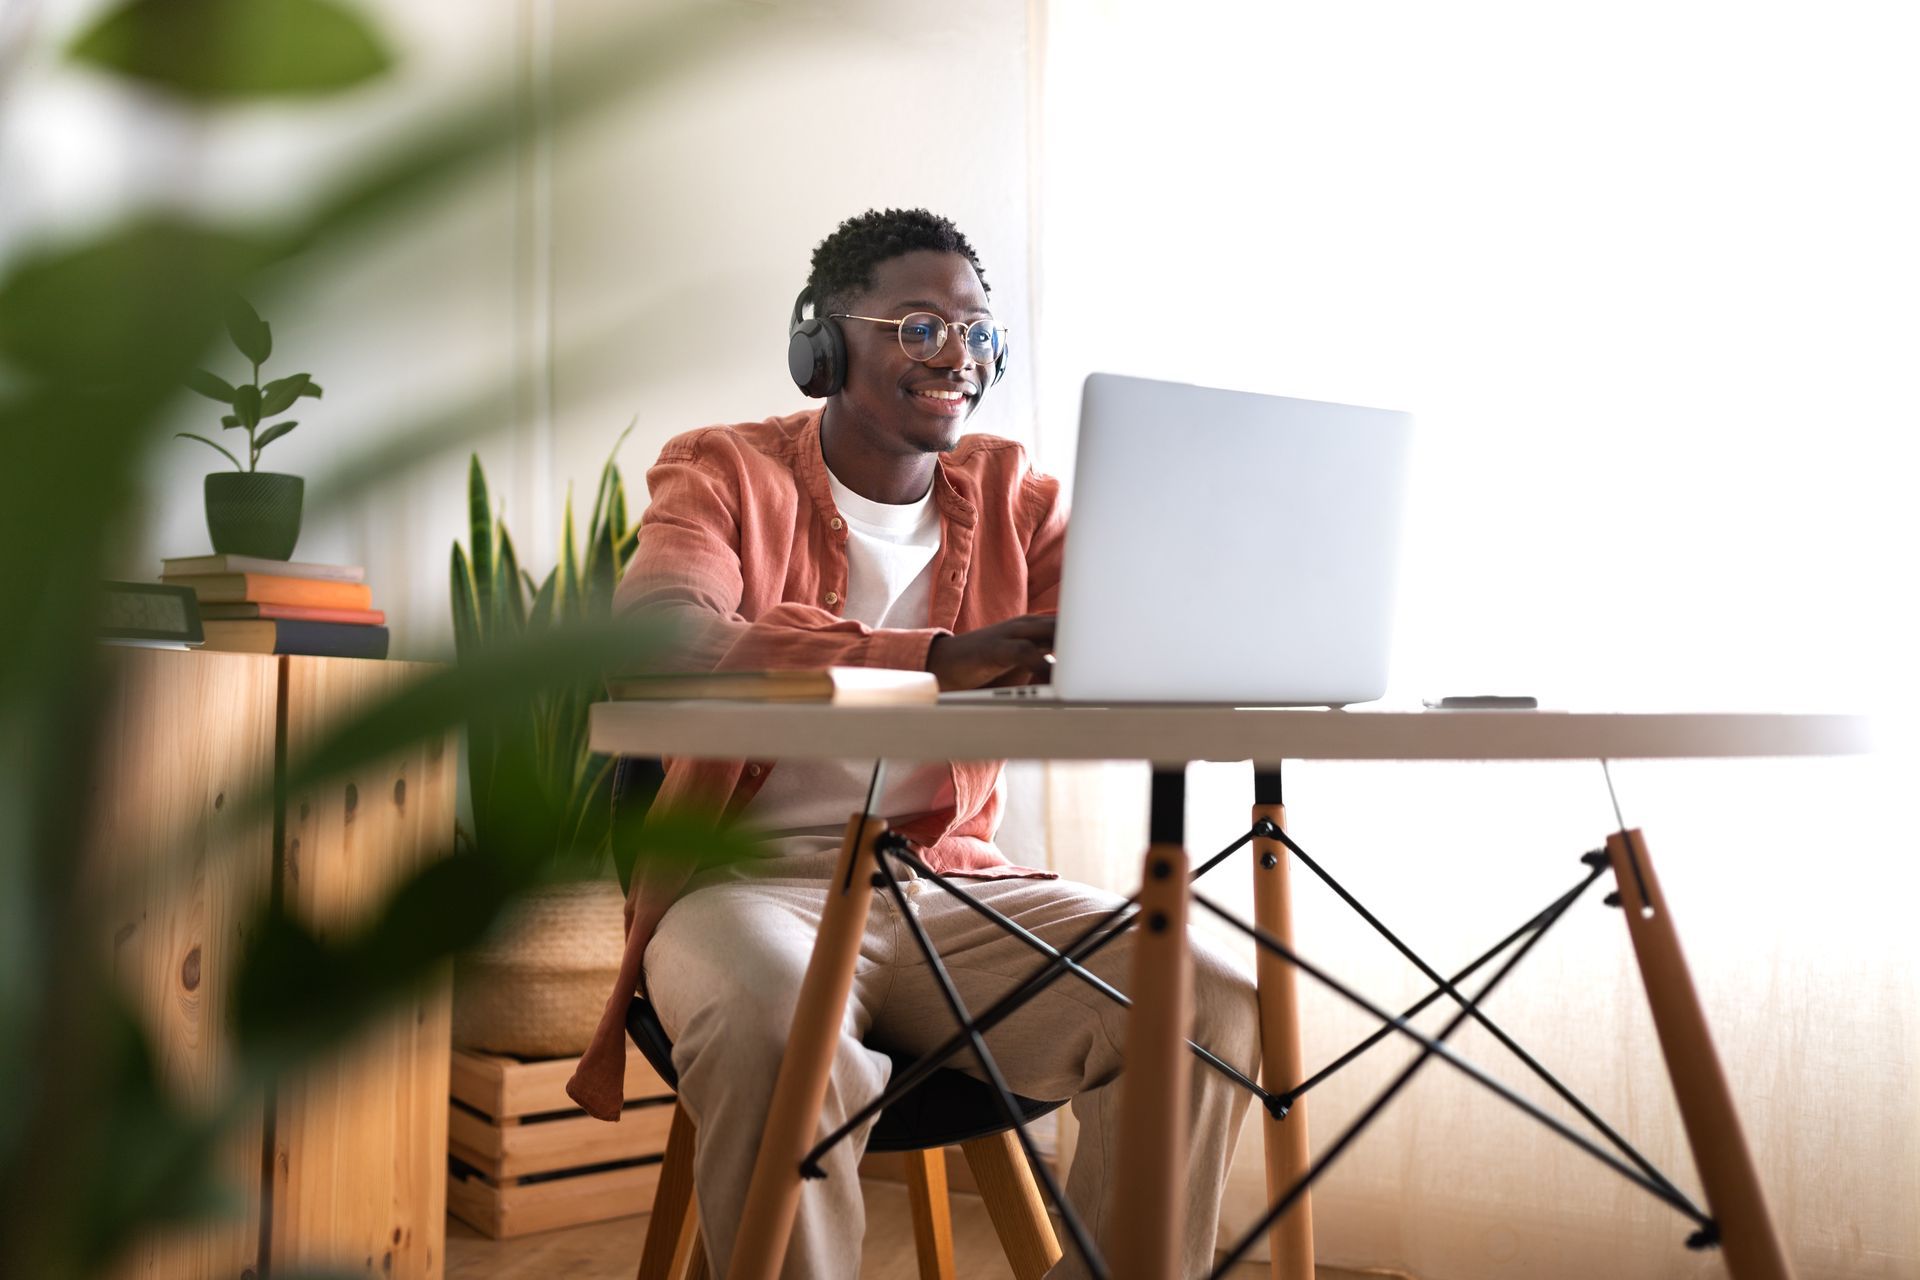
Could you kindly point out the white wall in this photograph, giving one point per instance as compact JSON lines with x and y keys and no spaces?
{"x":683,"y":225}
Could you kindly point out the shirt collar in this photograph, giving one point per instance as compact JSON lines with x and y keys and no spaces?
{"x":951,"y":481}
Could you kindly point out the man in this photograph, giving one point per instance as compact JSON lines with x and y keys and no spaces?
{"x":871,"y":532}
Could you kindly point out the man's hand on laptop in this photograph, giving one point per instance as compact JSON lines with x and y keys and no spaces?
{"x":1017,"y":651}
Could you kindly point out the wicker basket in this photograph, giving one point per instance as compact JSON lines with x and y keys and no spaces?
{"x":535,"y":987}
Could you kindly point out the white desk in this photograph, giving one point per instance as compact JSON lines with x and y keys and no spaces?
{"x":1151,"y":1138}
{"x":1177,"y":734}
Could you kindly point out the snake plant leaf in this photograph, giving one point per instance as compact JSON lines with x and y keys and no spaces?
{"x":603,"y":573}
{"x":215,"y":51}
{"x":628,"y":545}
{"x":542,"y":616}
{"x":249,"y":332}
{"x":188,"y":435}
{"x":566,"y":603}
{"x":466,"y":619}
{"x":601,"y":497}
{"x":619,"y":517}
{"x":273,"y":433}
{"x":246,"y":402}
{"x":210,"y":385}
{"x":507,"y":593}
{"x":603,"y":491}
{"x":480,"y":533}
{"x":278,"y":396}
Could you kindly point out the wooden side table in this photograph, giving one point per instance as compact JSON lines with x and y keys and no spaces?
{"x":357,"y":1145}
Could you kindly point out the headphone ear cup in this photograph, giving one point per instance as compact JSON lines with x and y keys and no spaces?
{"x":817,"y":357}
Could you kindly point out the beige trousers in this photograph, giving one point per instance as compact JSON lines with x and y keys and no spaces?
{"x":725,"y":966}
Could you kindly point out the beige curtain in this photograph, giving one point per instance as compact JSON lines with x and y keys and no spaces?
{"x":1792,"y":883}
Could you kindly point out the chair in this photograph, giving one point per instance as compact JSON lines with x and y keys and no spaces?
{"x":948,"y":1108}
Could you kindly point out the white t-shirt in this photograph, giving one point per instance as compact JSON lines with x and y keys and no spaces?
{"x":890,"y":555}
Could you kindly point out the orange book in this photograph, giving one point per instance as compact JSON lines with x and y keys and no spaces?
{"x":292,"y":613}
{"x":260,"y":588}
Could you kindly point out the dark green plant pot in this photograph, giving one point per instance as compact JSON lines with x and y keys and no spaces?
{"x":254,"y":513}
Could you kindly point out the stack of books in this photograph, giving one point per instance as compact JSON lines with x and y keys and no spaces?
{"x":252,"y":605}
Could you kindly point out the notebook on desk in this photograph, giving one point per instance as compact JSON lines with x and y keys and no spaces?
{"x":1226,"y":547}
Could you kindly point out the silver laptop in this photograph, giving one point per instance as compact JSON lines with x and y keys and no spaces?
{"x":1226,"y":547}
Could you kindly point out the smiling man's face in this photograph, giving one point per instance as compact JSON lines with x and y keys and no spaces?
{"x":899,"y":404}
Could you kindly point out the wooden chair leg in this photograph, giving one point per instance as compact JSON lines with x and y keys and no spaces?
{"x":1014,"y":1203}
{"x":697,"y":1268}
{"x":932,"y":1212}
{"x":793,"y":1114}
{"x":1720,"y":1152}
{"x":1291,"y":1240}
{"x":672,"y":1204}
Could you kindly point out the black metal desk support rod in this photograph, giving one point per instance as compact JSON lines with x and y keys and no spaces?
{"x":1090,"y":942}
{"x":1597,"y":864}
{"x":897,"y":847}
{"x":1270,"y":943}
{"x":1414,"y":1009}
{"x":1399,"y":1082}
{"x":1011,"y":1109}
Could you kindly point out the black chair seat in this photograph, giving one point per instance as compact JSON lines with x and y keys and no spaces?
{"x":947,"y":1107}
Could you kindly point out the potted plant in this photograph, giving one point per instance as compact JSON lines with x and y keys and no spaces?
{"x":251,"y":512}
{"x":536,"y":984}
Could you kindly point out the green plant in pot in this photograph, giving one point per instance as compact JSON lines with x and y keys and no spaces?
{"x":251,"y":512}
{"x":535,"y":985}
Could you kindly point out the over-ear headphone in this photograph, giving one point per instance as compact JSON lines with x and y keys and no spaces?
{"x":817,"y":352}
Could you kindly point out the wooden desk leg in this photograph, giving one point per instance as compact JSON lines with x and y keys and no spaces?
{"x":793,"y":1117}
{"x":1281,"y":1067}
{"x":1720,"y":1153}
{"x":1149,"y":1192}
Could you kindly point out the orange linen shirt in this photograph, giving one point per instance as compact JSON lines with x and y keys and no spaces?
{"x":742,"y":547}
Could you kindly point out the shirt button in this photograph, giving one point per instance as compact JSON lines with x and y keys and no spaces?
{"x":753,"y":771}
{"x":834,"y":523}
{"x":833,"y":597}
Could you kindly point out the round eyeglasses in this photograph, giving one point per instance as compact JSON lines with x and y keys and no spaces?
{"x":923,"y":335}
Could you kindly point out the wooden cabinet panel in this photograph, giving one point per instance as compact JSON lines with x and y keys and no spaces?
{"x":186,"y":737}
{"x":360,"y":1143}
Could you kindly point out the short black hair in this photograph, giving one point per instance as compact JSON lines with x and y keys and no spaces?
{"x":844,"y":262}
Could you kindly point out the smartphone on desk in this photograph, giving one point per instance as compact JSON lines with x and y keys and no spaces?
{"x":1484,"y":702}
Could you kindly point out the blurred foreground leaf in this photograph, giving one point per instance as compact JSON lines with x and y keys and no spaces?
{"x":150,"y":1160}
{"x":298,"y":992}
{"x":218,"y":50}
{"x":99,"y":338}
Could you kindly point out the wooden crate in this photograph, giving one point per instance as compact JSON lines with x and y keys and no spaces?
{"x":524,"y":1158}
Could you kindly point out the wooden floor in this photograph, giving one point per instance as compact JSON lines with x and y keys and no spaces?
{"x":611,"y":1250}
